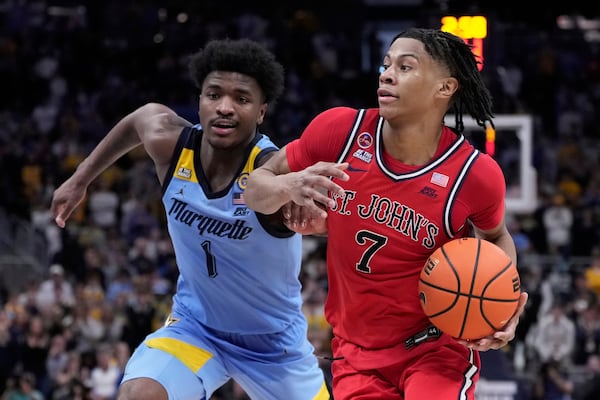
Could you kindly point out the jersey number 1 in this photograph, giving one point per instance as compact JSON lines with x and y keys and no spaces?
{"x":211,"y":265}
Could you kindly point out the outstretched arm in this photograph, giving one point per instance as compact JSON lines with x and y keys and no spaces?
{"x":155,"y":126}
{"x":273,"y":185}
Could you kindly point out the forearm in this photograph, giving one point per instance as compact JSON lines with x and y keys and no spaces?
{"x":506,"y":243}
{"x":273,"y":185}
{"x":266,"y":192}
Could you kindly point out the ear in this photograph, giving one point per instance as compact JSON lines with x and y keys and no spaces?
{"x":448,"y":86}
{"x":261,"y":113}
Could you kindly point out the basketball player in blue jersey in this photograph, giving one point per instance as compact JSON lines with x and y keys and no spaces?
{"x":237,"y":308}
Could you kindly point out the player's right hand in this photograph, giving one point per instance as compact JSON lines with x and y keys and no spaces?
{"x":65,"y":199}
{"x":311,"y":186}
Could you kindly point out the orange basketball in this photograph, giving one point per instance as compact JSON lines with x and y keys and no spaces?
{"x":469,"y":288}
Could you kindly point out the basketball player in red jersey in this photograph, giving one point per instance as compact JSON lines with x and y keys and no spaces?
{"x":403,"y":184}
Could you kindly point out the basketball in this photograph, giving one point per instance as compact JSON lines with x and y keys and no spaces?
{"x":469,"y":288}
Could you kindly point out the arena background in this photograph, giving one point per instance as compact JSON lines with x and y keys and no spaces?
{"x":69,"y":70}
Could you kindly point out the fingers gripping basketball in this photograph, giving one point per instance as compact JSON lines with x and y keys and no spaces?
{"x":469,"y":288}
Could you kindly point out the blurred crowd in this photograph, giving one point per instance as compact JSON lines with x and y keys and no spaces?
{"x":69,"y":71}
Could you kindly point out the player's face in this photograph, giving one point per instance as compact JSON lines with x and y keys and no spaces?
{"x":231,"y":108}
{"x":409,"y":81}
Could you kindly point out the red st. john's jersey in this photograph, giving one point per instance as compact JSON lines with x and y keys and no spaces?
{"x":391,"y":218}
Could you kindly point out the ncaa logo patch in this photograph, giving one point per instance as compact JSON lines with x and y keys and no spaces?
{"x":364,"y":140}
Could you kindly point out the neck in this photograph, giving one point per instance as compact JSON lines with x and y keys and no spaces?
{"x":412,"y":145}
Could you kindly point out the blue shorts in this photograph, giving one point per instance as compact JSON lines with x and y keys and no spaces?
{"x":191,"y":362}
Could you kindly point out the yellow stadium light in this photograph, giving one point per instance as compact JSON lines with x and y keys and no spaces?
{"x":490,"y":139}
{"x":472,"y":29}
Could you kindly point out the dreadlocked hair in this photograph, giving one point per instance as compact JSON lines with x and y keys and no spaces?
{"x":472,"y":95}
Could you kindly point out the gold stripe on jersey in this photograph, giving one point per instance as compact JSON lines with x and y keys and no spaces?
{"x":323,"y":393}
{"x":193,"y":357}
{"x":185,"y":166}
{"x":249,"y":167}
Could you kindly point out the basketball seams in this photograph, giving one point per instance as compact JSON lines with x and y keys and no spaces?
{"x":470,"y":294}
{"x":443,"y":289}
{"x":491,"y":281}
{"x":484,"y":298}
{"x":458,"y":271}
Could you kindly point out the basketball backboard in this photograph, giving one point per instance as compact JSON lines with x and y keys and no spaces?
{"x":513,"y":152}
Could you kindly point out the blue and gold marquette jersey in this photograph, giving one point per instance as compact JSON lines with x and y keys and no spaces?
{"x":236,"y":275}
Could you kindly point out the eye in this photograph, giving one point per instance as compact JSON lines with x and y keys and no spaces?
{"x":382,"y":68}
{"x":212,"y":96}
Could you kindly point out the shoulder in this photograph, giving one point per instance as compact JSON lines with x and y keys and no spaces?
{"x":160,"y":117}
{"x":337,"y":119}
{"x":486,"y":176}
{"x":487,"y":168}
{"x":265,"y":150}
{"x":159,"y":128}
{"x":337,"y":114}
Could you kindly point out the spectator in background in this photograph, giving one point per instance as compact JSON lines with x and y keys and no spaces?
{"x":87,"y":327}
{"x":511,"y":79}
{"x":120,"y":286}
{"x":522,"y":241}
{"x":554,"y":336}
{"x":8,"y":355}
{"x":56,"y":361}
{"x":122,"y":353}
{"x":558,"y":221}
{"x":140,"y":314}
{"x":69,"y":377}
{"x":589,"y":389}
{"x":103,"y":203}
{"x":33,"y":350}
{"x":587,"y":334}
{"x":553,"y":382}
{"x":592,"y":271}
{"x":56,"y":291}
{"x":25,"y":389}
{"x":104,"y":376}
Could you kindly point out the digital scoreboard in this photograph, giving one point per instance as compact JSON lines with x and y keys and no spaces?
{"x":472,"y":29}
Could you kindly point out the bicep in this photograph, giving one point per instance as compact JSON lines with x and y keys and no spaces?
{"x":485,"y":191}
{"x":159,"y":128}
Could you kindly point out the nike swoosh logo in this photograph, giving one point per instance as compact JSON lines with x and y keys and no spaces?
{"x":352,"y":169}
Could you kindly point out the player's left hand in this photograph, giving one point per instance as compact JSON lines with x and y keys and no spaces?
{"x":300,"y":220}
{"x":501,"y":338}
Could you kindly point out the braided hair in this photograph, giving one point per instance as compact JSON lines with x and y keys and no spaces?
{"x":451,"y":51}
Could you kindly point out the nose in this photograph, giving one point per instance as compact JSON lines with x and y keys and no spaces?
{"x":225,"y":106}
{"x":386,"y":75}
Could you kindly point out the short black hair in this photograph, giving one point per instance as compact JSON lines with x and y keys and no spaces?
{"x":450,"y":50}
{"x":243,"y":56}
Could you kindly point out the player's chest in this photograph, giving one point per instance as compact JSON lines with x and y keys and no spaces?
{"x":373,"y":195}
{"x":418,"y":212}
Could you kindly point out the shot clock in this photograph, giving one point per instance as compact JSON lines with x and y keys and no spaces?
{"x":473,"y":29}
